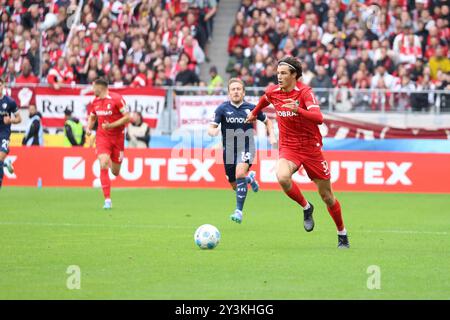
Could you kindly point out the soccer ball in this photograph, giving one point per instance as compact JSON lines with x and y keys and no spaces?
{"x":207,"y":236}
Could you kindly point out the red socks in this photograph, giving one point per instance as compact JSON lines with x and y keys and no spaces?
{"x":106,"y":183}
{"x":296,"y":195}
{"x":336,"y":214}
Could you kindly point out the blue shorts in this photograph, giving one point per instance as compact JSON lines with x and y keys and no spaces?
{"x":231,"y":164}
{"x":4,"y":143}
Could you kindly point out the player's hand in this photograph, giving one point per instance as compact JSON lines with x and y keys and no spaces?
{"x":7,"y":120}
{"x":291,"y":105}
{"x":88,"y":132}
{"x":273,"y":141}
{"x":106,"y":125}
{"x":250,"y":118}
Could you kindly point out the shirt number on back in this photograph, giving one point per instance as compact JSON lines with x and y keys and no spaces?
{"x":5,"y":144}
{"x":246,"y":156}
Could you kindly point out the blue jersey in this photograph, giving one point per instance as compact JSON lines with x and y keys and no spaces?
{"x":237,"y":136}
{"x":7,"y":107}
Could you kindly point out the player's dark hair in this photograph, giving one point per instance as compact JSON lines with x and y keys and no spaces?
{"x":2,"y":81}
{"x":294,"y":65}
{"x":101,"y":82}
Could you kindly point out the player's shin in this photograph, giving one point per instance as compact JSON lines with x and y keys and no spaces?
{"x":241,"y":193}
{"x":336,"y":213}
{"x":106,"y":183}
{"x":295,"y":194}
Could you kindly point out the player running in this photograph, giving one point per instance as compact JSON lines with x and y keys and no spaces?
{"x":238,"y":142}
{"x":298,"y":115}
{"x":111,"y":112}
{"x":8,"y":107}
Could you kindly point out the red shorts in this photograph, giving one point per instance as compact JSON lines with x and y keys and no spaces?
{"x":314,"y":163}
{"x":112,"y":147}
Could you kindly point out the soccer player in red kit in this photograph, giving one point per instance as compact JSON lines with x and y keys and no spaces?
{"x":298,"y":116}
{"x":110,"y":110}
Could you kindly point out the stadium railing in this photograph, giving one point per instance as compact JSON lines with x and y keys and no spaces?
{"x":333,"y":100}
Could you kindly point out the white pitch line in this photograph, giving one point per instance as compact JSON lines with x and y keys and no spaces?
{"x":441,"y":233}
{"x":80,"y":225}
{"x":156,"y":226}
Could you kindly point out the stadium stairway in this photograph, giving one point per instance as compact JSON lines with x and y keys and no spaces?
{"x":217,"y":49}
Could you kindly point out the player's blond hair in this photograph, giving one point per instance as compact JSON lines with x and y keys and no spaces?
{"x":233,"y":80}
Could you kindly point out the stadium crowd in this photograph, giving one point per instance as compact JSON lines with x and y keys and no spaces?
{"x":137,"y":43}
{"x":399,"y":44}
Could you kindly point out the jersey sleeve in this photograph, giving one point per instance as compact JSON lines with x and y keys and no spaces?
{"x":13,"y":106}
{"x":261,"y":116}
{"x":310,"y":99}
{"x":121,"y":105}
{"x":91,"y":108}
{"x":217,"y":117}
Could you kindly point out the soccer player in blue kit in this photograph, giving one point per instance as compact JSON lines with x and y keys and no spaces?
{"x":8,"y":107}
{"x":238,"y":142}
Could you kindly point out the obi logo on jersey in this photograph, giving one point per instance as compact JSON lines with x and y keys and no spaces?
{"x":286,"y":114}
{"x":103,"y":113}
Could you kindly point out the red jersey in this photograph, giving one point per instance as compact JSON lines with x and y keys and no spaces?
{"x":109,"y":109}
{"x":295,"y":132}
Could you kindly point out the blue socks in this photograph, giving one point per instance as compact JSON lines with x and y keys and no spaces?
{"x":241,"y":192}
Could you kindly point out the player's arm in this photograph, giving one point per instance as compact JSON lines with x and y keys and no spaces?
{"x":118,"y":123}
{"x":262,"y":103}
{"x":13,"y":120}
{"x":90,"y":125}
{"x":270,"y":132}
{"x":312,"y":111}
{"x":17,"y":118}
{"x":213,"y":128}
{"x":15,"y":111}
{"x":122,"y":121}
{"x":269,"y":127}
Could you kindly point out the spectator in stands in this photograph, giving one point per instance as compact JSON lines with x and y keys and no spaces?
{"x":321,"y":81}
{"x":237,"y":61}
{"x":402,"y":100}
{"x":185,"y":76}
{"x":216,"y":81}
{"x":34,"y":134}
{"x":439,"y":62}
{"x":26,"y":77}
{"x":74,"y":133}
{"x":268,"y":76}
{"x":61,"y":74}
{"x":389,"y":81}
{"x":421,"y":101}
{"x":138,"y":132}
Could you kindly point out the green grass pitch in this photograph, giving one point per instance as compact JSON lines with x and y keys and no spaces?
{"x":144,"y":247}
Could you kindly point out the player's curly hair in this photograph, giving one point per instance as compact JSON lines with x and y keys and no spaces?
{"x":294,"y":65}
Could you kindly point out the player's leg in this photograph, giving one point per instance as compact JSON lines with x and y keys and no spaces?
{"x":105,"y":160}
{"x":230,"y":171}
{"x":251,"y":179}
{"x":334,"y":208}
{"x":2,"y":164}
{"x":285,"y":169}
{"x":4,"y":150}
{"x":115,"y":168}
{"x":241,"y":190}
